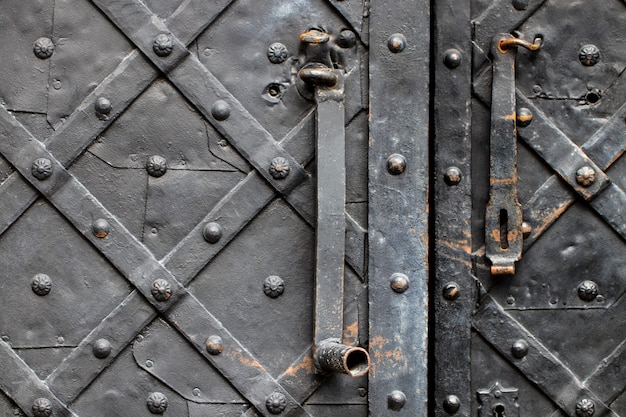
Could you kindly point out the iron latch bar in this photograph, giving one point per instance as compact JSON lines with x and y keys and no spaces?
{"x":330,"y":355}
{"x":503,"y":221}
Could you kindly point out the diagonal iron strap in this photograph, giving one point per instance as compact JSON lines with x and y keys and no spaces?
{"x":539,"y":365}
{"x":201,"y":88}
{"x":130,"y":257}
{"x":503,"y":218}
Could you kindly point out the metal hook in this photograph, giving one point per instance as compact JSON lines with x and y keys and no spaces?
{"x":507,"y":43}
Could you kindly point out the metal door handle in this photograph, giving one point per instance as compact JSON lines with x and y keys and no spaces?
{"x":329,"y":354}
{"x":503,"y":218}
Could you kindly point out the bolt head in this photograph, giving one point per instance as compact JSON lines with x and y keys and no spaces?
{"x":451,"y":291}
{"x":519,"y":349}
{"x":452,"y":176}
{"x":100,"y":228}
{"x":396,"y":164}
{"x":396,"y":43}
{"x":520,"y":4}
{"x":220,"y":110}
{"x":585,"y":176}
{"x":399,"y":283}
{"x":347,"y":39}
{"x":214,"y":345}
{"x":524,"y":117}
{"x":396,"y":400}
{"x":212,"y":232}
{"x":103,"y":105}
{"x":102,"y":348}
{"x":452,"y":58}
{"x":451,"y":404}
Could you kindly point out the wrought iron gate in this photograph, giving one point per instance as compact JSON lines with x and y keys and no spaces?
{"x":159,"y":200}
{"x":529,"y":214}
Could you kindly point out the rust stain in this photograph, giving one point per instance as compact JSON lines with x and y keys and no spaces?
{"x":413,"y":230}
{"x":378,"y":342}
{"x":306,"y":365}
{"x":495,"y":235}
{"x":351,"y":333}
{"x":510,"y":116}
{"x":462,"y":245}
{"x":505,"y":181}
{"x":247,"y":361}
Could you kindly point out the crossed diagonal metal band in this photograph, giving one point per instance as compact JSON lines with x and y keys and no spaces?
{"x":124,"y":251}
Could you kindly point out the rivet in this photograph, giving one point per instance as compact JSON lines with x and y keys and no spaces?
{"x":396,"y":43}
{"x":524,"y":117}
{"x":43,"y":48}
{"x":163,"y":44}
{"x":149,"y":364}
{"x":56,"y":84}
{"x":42,"y":407}
{"x":585,"y":408}
{"x":451,"y":404}
{"x":347,"y":39}
{"x":220,"y":110}
{"x":587,"y":290}
{"x":100,"y":228}
{"x":521,"y":4}
{"x":452,"y":58}
{"x":103,"y":106}
{"x":399,"y":282}
{"x":277,"y":53}
{"x":451,"y":291}
{"x":519,"y":349}
{"x":41,"y":284}
{"x":396,"y":400}
{"x":589,"y":55}
{"x":196,"y":392}
{"x":396,"y":164}
{"x":156,"y":166}
{"x":276,"y":402}
{"x":41,"y":168}
{"x":102,"y":348}
{"x":537,"y":89}
{"x":161,"y":290}
{"x":362,"y":391}
{"x":273,"y":286}
{"x":585,"y":176}
{"x":157,"y":403}
{"x":279,"y":167}
{"x":60,"y":340}
{"x":452,"y":176}
{"x":214,"y":345}
{"x":212,"y":232}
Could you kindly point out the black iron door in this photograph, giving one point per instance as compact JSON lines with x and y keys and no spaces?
{"x":170,"y":243}
{"x":530,"y":208}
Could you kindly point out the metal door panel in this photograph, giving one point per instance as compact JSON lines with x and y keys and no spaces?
{"x":137,"y":178}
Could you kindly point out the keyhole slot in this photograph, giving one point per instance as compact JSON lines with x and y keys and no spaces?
{"x":498,"y":411}
{"x":504,"y":229}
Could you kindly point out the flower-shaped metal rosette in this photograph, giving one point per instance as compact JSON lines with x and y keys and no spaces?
{"x":41,"y":168}
{"x":276,"y":402}
{"x":163,"y":44}
{"x":585,"y":408}
{"x":43,"y":48}
{"x":277,"y":53}
{"x":42,"y":407}
{"x":156,"y":166}
{"x":273,"y":286}
{"x":41,"y":284}
{"x":587,"y":290}
{"x":279,"y":167}
{"x":157,"y":403}
{"x":161,"y":290}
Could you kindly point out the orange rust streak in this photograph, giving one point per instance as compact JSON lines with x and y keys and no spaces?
{"x":493,"y":181}
{"x":461,"y":245}
{"x":510,"y":116}
{"x":306,"y":365}
{"x":238,"y":356}
{"x":351,"y":333}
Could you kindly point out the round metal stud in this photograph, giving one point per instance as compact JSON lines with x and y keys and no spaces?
{"x":41,"y":168}
{"x":399,"y":282}
{"x":220,"y":110}
{"x":519,"y":349}
{"x":157,"y":403}
{"x":396,"y":164}
{"x":521,"y":4}
{"x":451,"y":404}
{"x":396,"y":43}
{"x":161,"y":290}
{"x":41,"y":284}
{"x":214,"y":345}
{"x":276,"y":402}
{"x":396,"y":400}
{"x":163,"y":44}
{"x":451,"y":291}
{"x":347,"y":39}
{"x":212,"y":232}
{"x":587,"y":290}
{"x":585,"y":176}
{"x":156,"y":166}
{"x":279,"y":167}
{"x":42,"y":407}
{"x":273,"y":286}
{"x":43,"y":48}
{"x":452,"y":58}
{"x":452,"y":176}
{"x":100,"y":228}
{"x":103,"y":106}
{"x":277,"y":53}
{"x":102,"y":348}
{"x":524,"y":117}
{"x":585,"y":408}
{"x":589,"y":55}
